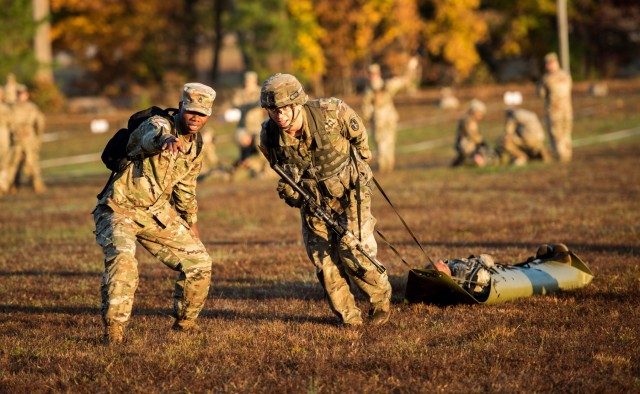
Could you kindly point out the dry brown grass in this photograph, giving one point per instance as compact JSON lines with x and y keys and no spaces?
{"x":267,"y":327}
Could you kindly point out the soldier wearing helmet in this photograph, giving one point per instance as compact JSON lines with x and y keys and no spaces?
{"x":555,"y":88}
{"x":323,"y":145}
{"x":470,"y":144}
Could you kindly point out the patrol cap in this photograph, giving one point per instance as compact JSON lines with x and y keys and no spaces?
{"x":476,"y":105}
{"x":198,"y":98}
{"x":374,"y":68}
{"x":250,"y":76}
{"x":20,"y":87}
{"x":551,"y":57}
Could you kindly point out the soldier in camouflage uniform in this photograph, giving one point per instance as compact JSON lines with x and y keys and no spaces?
{"x":11,"y":89}
{"x":324,"y":146}
{"x":247,"y":136}
{"x":379,"y":110}
{"x":556,"y":90}
{"x":153,"y":201}
{"x":27,"y":127}
{"x":250,"y":92}
{"x":523,"y":138}
{"x":470,"y":144}
{"x":5,"y":141}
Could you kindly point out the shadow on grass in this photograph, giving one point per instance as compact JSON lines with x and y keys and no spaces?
{"x":51,"y":273}
{"x":260,"y":289}
{"x":207,"y":313}
{"x":238,"y":289}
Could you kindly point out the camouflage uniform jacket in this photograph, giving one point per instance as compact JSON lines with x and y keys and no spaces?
{"x":556,"y":90}
{"x":526,"y":125}
{"x":377,"y":103}
{"x":342,"y":128}
{"x":28,"y":121}
{"x":161,"y":186}
{"x":468,"y":135}
{"x":5,"y":121}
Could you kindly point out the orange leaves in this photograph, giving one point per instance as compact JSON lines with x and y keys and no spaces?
{"x":454,"y":32}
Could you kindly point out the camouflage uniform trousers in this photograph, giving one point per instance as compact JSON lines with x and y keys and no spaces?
{"x":385,"y":133}
{"x":560,"y":125}
{"x":24,"y":157}
{"x":336,"y":263}
{"x":5,"y":156}
{"x":175,"y":246}
{"x":522,"y":151}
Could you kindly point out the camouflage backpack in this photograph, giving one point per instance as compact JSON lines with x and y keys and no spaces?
{"x":115,"y":157}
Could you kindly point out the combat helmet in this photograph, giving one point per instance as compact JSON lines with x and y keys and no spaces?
{"x":281,"y":90}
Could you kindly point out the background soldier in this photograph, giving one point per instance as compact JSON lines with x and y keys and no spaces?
{"x":523,"y":138}
{"x":470,"y":145}
{"x":250,"y":92}
{"x":210,"y":160}
{"x":556,"y":90}
{"x":5,"y":141}
{"x":247,"y":133}
{"x":247,"y":136}
{"x":323,"y":145}
{"x":152,"y":201}
{"x":27,"y":127}
{"x":11,"y":89}
{"x":379,"y":110}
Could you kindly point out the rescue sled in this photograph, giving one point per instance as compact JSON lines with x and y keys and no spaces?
{"x":478,"y":280}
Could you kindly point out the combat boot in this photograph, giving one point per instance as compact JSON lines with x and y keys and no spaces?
{"x":113,"y":335}
{"x":186,"y":326}
{"x":39,"y":187}
{"x":353,"y":322}
{"x":380,"y":313}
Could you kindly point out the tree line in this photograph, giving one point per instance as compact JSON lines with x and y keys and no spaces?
{"x":327,"y":43}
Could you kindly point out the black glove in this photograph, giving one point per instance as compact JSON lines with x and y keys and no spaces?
{"x":290,"y":196}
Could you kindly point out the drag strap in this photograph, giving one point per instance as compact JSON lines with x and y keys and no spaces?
{"x":393,"y":248}
{"x":402,"y":220}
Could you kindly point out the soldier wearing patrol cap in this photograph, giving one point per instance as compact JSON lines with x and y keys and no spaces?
{"x":27,"y":126}
{"x":250,"y":91}
{"x":323,"y":145}
{"x":380,"y":111}
{"x":5,"y":140}
{"x":247,"y":133}
{"x":152,"y":201}
{"x":555,"y":88}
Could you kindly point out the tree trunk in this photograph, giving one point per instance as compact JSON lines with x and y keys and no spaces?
{"x":42,"y":41}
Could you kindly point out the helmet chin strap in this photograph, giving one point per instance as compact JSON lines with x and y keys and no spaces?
{"x":287,"y":128}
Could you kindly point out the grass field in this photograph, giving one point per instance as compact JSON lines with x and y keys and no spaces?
{"x":266,"y":325}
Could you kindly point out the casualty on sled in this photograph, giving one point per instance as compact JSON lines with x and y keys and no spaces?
{"x":479,"y":280}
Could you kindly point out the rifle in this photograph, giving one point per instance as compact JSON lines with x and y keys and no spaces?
{"x":322,"y":214}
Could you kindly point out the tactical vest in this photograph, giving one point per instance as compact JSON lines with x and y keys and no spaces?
{"x":323,"y":160}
